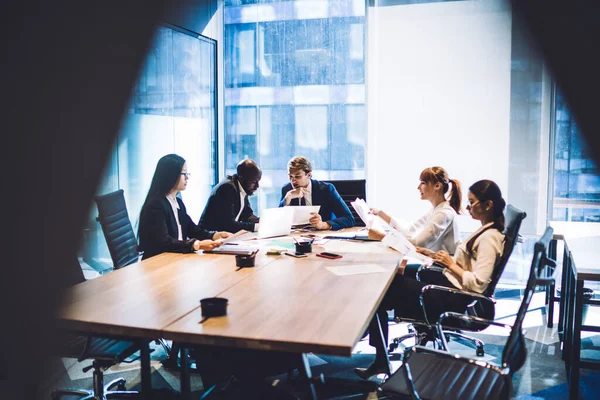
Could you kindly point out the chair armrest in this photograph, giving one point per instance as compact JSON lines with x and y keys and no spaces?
{"x":546,"y":280}
{"x":86,"y":349}
{"x":452,"y":291}
{"x":429,"y":268}
{"x":464,"y":318}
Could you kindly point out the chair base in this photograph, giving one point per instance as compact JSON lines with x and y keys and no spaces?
{"x":101,"y":393}
{"x":479,"y":351}
{"x":421,"y":338}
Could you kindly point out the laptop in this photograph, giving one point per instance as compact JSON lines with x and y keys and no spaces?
{"x":275,"y":222}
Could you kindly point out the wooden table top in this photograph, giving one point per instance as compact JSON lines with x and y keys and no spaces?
{"x":297,"y":305}
{"x":141,"y":299}
{"x":283,"y":303}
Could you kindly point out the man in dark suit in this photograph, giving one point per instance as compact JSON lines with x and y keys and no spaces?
{"x":228,"y":208}
{"x":305,"y":191}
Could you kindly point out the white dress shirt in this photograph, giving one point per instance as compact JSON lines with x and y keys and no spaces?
{"x":175,"y":208}
{"x":437,"y":230}
{"x":478,"y":267}
{"x":242,"y":202}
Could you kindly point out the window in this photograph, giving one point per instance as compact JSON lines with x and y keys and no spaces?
{"x":172,"y":110}
{"x":294,"y":85}
{"x":576,"y":191}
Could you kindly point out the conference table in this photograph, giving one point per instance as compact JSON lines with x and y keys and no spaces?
{"x":581,"y":258}
{"x":284,"y":304}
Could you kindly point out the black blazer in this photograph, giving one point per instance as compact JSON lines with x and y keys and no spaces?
{"x":158,"y":229}
{"x":223,"y":206}
{"x":333,"y":209}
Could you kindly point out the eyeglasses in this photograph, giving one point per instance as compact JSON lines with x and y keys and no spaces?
{"x":187,"y":174}
{"x":472,"y":204}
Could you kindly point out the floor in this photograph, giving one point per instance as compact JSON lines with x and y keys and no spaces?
{"x":542,"y":377}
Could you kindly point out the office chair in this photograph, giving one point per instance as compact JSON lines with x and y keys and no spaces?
{"x":104,"y":352}
{"x":481,"y":305}
{"x":117,"y":229}
{"x":119,"y":235}
{"x":433,"y":374}
{"x":349,"y":190}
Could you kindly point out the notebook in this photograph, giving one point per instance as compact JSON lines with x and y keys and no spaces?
{"x":363,"y":236}
{"x":233,"y":248}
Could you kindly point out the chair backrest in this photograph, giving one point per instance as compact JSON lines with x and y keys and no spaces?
{"x":117,"y":229}
{"x":515,"y":351}
{"x":485,"y":309}
{"x":512,"y":224}
{"x":349,"y":190}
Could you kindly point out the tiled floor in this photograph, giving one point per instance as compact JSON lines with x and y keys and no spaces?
{"x":543,"y":369}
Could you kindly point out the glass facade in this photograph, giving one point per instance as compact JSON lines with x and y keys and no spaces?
{"x":576,"y":191}
{"x":294,"y":74}
{"x":172,"y":110}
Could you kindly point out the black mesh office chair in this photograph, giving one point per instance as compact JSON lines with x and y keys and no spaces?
{"x":349,"y":190}
{"x":119,"y":235}
{"x":481,"y":305}
{"x":117,"y":229}
{"x":433,"y":374}
{"x":104,"y":352}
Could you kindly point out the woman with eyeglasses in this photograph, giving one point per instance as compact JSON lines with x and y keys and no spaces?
{"x":164,"y":225}
{"x":470,"y":269}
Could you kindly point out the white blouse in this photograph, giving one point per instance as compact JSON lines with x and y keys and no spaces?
{"x":175,"y":208}
{"x":437,"y":230}
{"x":478,"y":268}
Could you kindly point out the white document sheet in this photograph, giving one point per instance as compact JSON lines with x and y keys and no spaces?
{"x":363,"y":211}
{"x":239,"y":236}
{"x":302,"y":214}
{"x":417,"y":258}
{"x":356,"y":269}
{"x":397,"y":241}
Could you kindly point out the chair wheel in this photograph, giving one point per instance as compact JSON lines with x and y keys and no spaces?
{"x":392,"y":347}
{"x":121,"y":387}
{"x":479,"y":351}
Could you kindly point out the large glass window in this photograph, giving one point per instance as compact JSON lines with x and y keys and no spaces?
{"x":294,"y":85}
{"x":576,"y":191}
{"x":172,"y":110}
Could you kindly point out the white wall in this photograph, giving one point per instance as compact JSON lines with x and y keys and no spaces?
{"x":438,"y":94}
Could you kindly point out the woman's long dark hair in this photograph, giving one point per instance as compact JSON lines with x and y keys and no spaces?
{"x":439,"y":174}
{"x":166,"y":176}
{"x":486,"y":190}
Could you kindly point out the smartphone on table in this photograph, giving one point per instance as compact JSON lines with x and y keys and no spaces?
{"x":331,"y":256}
{"x":296,"y":254}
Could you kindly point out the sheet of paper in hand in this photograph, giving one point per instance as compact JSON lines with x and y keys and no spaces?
{"x":239,"y":236}
{"x":302,"y":214}
{"x":397,"y":241}
{"x":363,"y":211}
